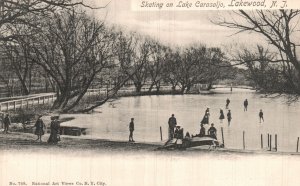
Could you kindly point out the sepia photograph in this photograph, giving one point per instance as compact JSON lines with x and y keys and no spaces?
{"x":149,"y":93}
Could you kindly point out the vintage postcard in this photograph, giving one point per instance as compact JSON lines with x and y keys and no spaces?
{"x":149,"y":92}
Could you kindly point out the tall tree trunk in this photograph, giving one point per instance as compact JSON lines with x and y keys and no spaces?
{"x":138,"y":87}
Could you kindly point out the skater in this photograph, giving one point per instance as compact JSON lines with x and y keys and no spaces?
{"x":207,"y":111}
{"x":131,"y":129}
{"x":245,"y":105}
{"x":6,"y":122}
{"x":172,"y":124}
{"x":227,"y":103}
{"x":212,"y":131}
{"x":261,"y":116}
{"x":221,"y":116}
{"x":39,"y":128}
{"x":205,"y":119}
{"x":229,"y":117}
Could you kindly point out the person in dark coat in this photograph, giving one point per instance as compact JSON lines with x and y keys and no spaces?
{"x":221,"y":116}
{"x":172,"y":124}
{"x":6,"y":122}
{"x":212,"y":131}
{"x":261,"y":116}
{"x":227,"y":103}
{"x":1,"y":119}
{"x":55,"y":130}
{"x":205,"y":119}
{"x":229,"y":117}
{"x":39,"y":128}
{"x":131,"y":129}
{"x":245,"y":105}
{"x":202,"y":131}
{"x":178,"y":134}
{"x":187,"y":135}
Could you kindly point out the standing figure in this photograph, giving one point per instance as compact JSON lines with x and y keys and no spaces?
{"x":207,"y":111}
{"x":261,"y":116}
{"x":172,"y":123}
{"x":39,"y":128}
{"x":245,"y":105}
{"x":221,"y":116}
{"x":1,"y":119}
{"x":202,"y":131}
{"x":131,"y":129}
{"x":212,"y":131}
{"x":55,"y":129}
{"x":227,"y":103}
{"x":205,"y":119}
{"x":229,"y":117}
{"x":6,"y":122}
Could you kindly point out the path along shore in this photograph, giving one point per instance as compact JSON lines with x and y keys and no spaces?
{"x":25,"y":142}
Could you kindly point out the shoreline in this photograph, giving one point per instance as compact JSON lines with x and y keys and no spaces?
{"x":26,"y":142}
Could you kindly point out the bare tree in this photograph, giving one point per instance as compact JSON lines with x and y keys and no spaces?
{"x":72,"y":49}
{"x":171,"y":72}
{"x":18,"y":11}
{"x":23,"y":67}
{"x":159,"y":54}
{"x":6,"y":76}
{"x":134,"y":53}
{"x":262,"y":71}
{"x":278,"y":27}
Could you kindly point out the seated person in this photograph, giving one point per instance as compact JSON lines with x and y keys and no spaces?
{"x":212,"y":131}
{"x":202,"y":131}
{"x":178,"y":133}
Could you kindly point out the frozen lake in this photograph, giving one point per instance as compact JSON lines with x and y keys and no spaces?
{"x":151,"y":112}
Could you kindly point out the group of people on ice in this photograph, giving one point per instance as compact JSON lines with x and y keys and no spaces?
{"x":177,"y":131}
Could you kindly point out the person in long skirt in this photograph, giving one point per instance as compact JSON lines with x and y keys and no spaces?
{"x":39,"y":128}
{"x":205,"y":119}
{"x":221,"y":116}
{"x":227,"y":103}
{"x":229,"y":117}
{"x":54,"y":133}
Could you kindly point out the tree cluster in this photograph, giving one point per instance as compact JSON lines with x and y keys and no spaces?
{"x":277,"y":71}
{"x":57,"y":44}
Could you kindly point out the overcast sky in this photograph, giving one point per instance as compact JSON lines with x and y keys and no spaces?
{"x":173,"y":27}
